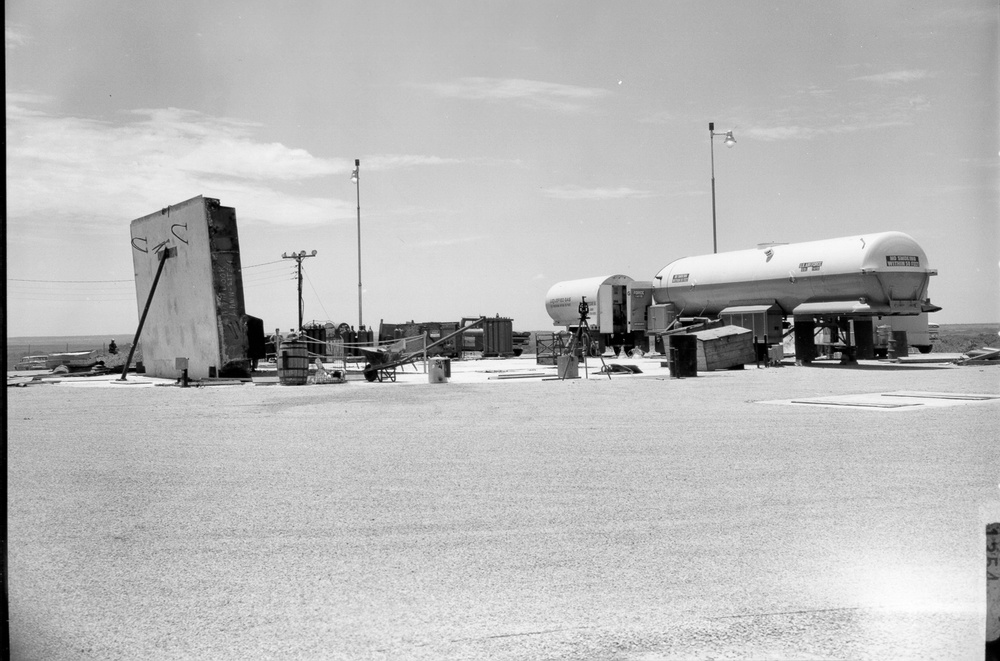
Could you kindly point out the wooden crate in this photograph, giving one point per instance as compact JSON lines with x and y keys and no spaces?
{"x":549,"y":346}
{"x":724,"y":348}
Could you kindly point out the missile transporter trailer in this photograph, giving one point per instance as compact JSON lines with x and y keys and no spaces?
{"x":841,"y":288}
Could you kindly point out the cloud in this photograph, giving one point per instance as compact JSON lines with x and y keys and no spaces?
{"x":660,"y":117}
{"x":449,"y":241}
{"x":818,"y":112}
{"x":581,"y":193}
{"x":795,"y":132}
{"x":87,"y":171}
{"x":396,"y":161}
{"x":895,"y":77}
{"x":821,"y":129}
{"x":532,"y":94}
{"x":198,"y":143}
{"x":960,"y":14}
{"x":14,"y":36}
{"x":21,"y":102}
{"x":93,"y":170}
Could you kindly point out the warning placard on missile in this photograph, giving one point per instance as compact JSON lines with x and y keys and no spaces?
{"x":902,"y":260}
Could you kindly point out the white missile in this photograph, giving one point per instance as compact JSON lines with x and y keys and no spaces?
{"x":872,"y":274}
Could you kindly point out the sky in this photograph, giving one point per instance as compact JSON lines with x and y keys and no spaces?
{"x":505,"y":146}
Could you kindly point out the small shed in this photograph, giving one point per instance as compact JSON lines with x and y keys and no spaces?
{"x":724,"y":348}
{"x":763,"y":320}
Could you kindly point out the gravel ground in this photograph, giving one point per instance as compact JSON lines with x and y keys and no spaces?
{"x":635,"y":518}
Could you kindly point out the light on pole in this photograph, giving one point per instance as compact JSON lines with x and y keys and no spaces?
{"x":298,"y":257}
{"x":356,"y":179}
{"x":729,"y":142}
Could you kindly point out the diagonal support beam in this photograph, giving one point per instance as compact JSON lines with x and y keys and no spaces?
{"x":165,"y":254}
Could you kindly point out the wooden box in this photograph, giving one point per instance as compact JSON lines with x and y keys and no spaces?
{"x":724,"y":348}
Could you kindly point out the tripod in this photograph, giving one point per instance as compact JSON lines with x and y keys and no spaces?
{"x":581,"y":339}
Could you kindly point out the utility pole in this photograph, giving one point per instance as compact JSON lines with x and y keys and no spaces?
{"x":356,"y":180}
{"x":298,"y":257}
{"x":730,"y":141}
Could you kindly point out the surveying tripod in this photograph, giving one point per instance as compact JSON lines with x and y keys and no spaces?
{"x":581,"y":339}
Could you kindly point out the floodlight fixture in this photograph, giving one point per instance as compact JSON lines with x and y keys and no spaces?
{"x":729,"y":142}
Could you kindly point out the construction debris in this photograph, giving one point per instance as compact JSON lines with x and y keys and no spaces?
{"x":322,"y":375}
{"x":620,"y":369}
{"x":986,"y":355}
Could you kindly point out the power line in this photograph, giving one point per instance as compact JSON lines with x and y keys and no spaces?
{"x":281,"y":275}
{"x":252,"y":284}
{"x":66,"y":281}
{"x":131,"y":280}
{"x":316,"y":294}
{"x":68,"y":297}
{"x":253,"y":266}
{"x":24,"y":289}
{"x":276,"y":272}
{"x":283,"y":268}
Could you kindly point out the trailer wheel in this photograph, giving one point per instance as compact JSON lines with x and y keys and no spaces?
{"x":924,"y":348}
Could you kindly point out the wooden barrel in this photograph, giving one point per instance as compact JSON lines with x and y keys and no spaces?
{"x":293,"y":364}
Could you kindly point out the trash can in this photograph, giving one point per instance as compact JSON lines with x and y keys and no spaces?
{"x":775,"y":354}
{"x":568,"y":367}
{"x":682,"y":355}
{"x":293,"y":364}
{"x":899,"y":345}
{"x":436,"y":371}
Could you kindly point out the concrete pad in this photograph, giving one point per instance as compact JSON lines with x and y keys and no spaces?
{"x":637,"y":517}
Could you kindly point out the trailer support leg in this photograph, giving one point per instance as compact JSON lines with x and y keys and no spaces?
{"x":805,"y":340}
{"x":864,"y":339}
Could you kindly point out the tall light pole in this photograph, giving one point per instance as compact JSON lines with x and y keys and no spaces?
{"x":356,"y":178}
{"x":298,"y":257}
{"x":729,"y":142}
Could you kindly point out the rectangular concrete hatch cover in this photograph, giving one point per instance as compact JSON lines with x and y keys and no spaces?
{"x":891,"y":401}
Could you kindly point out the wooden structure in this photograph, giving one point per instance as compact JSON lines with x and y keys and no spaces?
{"x":198,"y":310}
{"x":549,"y":346}
{"x":724,"y":348}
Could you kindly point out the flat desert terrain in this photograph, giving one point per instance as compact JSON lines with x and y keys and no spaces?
{"x":635,"y":518}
